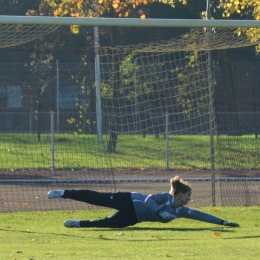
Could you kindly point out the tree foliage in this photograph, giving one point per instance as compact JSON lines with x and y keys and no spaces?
{"x":100,"y":8}
{"x":244,"y":10}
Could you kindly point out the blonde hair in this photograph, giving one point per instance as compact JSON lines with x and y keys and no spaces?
{"x":179,"y":185}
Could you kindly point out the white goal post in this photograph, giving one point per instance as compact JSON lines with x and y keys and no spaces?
{"x":131,"y":22}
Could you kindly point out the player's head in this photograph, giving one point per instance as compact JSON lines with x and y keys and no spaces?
{"x":180,"y":188}
{"x":179,"y":185}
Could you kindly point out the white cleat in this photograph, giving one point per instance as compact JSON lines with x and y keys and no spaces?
{"x":55,"y":194}
{"x":72,"y":223}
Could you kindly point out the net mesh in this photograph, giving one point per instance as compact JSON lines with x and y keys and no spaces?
{"x":196,"y":39}
{"x":156,"y":118}
{"x":16,"y":34}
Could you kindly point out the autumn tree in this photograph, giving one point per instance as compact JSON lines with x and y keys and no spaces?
{"x":244,"y":10}
{"x":102,"y":8}
{"x":18,"y":7}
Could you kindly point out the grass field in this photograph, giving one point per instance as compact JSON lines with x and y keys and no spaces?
{"x":41,"y":235}
{"x":19,"y":151}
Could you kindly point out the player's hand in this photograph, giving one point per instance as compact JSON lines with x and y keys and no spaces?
{"x":165,"y":215}
{"x":230,"y":224}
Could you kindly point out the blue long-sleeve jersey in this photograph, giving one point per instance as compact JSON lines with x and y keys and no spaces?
{"x":148,"y":206}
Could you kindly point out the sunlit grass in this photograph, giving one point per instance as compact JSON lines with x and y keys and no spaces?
{"x":41,"y":235}
{"x":19,"y":151}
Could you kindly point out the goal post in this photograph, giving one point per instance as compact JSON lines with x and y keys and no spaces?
{"x":154,"y":93}
{"x":129,"y":22}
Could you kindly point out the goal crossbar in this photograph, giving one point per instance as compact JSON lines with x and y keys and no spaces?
{"x":128,"y":22}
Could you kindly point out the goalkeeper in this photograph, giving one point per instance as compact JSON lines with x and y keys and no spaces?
{"x":133,"y":207}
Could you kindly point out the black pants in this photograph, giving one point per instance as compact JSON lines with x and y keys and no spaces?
{"x":123,"y":217}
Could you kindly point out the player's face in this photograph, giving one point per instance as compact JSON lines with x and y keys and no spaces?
{"x":185,"y":197}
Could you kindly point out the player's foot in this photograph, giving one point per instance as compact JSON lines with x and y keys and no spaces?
{"x":55,"y":194}
{"x":230,"y":224}
{"x":72,"y":223}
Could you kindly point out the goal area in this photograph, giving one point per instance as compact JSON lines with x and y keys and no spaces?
{"x":125,"y":105}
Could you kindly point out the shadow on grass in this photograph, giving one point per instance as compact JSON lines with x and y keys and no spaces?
{"x":171,"y":229}
{"x":40,"y":233}
{"x":160,"y":229}
{"x":242,"y":237}
{"x":123,"y":231}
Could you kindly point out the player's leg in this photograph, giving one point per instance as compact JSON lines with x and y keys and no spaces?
{"x":122,"y":201}
{"x":118,"y":200}
{"x":116,"y":220}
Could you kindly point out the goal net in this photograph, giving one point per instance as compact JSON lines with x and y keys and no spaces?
{"x":123,"y":108}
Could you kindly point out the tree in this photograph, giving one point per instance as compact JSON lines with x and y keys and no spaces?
{"x":18,"y":7}
{"x":243,"y":9}
{"x":102,"y":8}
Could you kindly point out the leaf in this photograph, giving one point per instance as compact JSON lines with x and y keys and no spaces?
{"x":217,"y":233}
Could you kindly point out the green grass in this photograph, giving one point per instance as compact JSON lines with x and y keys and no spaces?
{"x":41,"y":235}
{"x":19,"y":151}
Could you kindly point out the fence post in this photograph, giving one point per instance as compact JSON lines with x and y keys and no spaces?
{"x":58,"y":96}
{"x":52,"y":142}
{"x":136,"y":100}
{"x":167,"y":140}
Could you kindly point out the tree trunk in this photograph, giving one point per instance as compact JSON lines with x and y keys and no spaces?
{"x":232,"y":124}
{"x":39,"y":122}
{"x":115,"y":122}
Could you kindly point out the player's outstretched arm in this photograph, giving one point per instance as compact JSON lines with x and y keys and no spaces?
{"x":185,"y":212}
